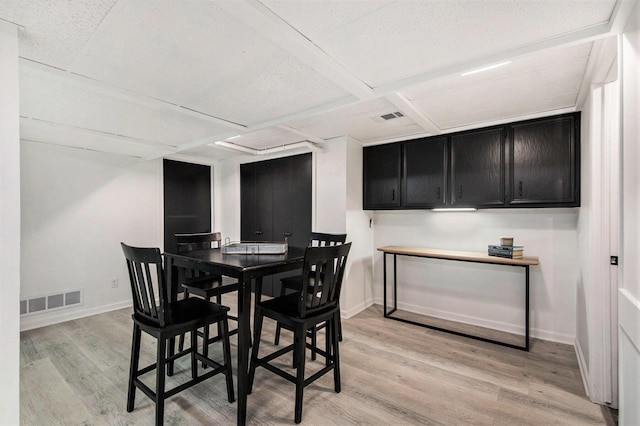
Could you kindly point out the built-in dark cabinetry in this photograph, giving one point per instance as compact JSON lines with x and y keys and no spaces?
{"x":477,"y":168}
{"x":544,"y":162}
{"x":382,"y":171}
{"x":533,"y":163}
{"x":424,"y":174}
{"x":275,"y":204}
{"x":187,"y":200}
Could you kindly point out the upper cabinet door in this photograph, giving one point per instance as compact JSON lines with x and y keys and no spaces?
{"x":478,"y":169}
{"x":381,"y":176}
{"x":545,"y":170}
{"x":425,"y":171}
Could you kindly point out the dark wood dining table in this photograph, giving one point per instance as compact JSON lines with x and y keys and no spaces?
{"x":248,"y":269}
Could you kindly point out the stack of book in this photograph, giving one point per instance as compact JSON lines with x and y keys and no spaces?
{"x":511,"y":252}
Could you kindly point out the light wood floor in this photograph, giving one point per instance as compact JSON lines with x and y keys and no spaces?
{"x":75,"y":373}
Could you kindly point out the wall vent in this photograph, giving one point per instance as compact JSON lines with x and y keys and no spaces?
{"x":51,"y":302}
{"x":392,"y":115}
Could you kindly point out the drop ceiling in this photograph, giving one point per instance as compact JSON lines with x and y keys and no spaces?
{"x":169,"y":78}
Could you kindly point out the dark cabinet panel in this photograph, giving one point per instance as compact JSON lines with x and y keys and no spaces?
{"x":478,"y":168}
{"x":544,"y":166}
{"x":292,"y":205}
{"x":275,"y":204}
{"x":187,"y":200}
{"x":424,"y":173}
{"x":381,"y":174}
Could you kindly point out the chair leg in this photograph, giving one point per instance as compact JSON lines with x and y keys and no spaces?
{"x":194,"y":350}
{"x":299,"y":349}
{"x":226,"y":350}
{"x":257,"y":330}
{"x":276,"y":340}
{"x":160,"y":378}
{"x":205,"y":343}
{"x":336,"y":352}
{"x":314,"y":342}
{"x":181,"y":343}
{"x":133,"y":368}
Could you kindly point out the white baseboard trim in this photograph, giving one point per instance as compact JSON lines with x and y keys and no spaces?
{"x":356,"y":309}
{"x":483,"y":322}
{"x":36,"y":321}
{"x":584,"y":368}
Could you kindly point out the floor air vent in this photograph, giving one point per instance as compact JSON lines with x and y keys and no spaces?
{"x":51,"y":302}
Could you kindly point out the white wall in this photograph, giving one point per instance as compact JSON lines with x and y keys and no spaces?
{"x":487,"y":295}
{"x":9,"y":224}
{"x":77,"y":206}
{"x":629,"y":296}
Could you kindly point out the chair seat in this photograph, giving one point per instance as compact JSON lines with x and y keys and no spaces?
{"x":186,"y":314}
{"x":208,"y":287}
{"x":287,"y":306}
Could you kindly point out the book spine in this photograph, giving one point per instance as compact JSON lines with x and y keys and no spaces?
{"x":506,"y":248}
{"x":506,"y":255}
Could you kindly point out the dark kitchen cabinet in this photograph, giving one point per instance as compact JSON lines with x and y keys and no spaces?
{"x":424,"y":173}
{"x":381,"y":174}
{"x":545,"y":170}
{"x":478,"y":168}
{"x":275,"y":204}
{"x":533,"y":163}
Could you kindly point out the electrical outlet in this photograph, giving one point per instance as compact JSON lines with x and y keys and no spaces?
{"x":114,"y":282}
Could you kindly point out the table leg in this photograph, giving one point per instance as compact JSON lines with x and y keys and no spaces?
{"x":244,"y":330}
{"x":526,"y":313}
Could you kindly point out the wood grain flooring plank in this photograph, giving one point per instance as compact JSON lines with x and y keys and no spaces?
{"x":392,"y":373}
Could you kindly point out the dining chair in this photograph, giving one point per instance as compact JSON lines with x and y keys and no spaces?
{"x":316,"y":239}
{"x":317,"y":302}
{"x":165,"y":322}
{"x":202,"y":284}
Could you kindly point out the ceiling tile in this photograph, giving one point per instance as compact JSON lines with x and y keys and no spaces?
{"x":551,"y":78}
{"x":407,"y":38}
{"x":362,"y":121}
{"x":55,"y":31}
{"x":195,"y":54}
{"x":73,"y":104}
{"x":36,"y":131}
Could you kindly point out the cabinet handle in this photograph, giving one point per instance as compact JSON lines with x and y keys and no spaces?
{"x":520,"y":188}
{"x":393,"y":195}
{"x":438,"y":193}
{"x":460,"y":191}
{"x":258,"y":232}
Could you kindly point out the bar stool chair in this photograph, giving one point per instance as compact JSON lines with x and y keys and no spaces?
{"x":202,"y":284}
{"x":316,"y":239}
{"x":315,"y":303}
{"x":165,"y":322}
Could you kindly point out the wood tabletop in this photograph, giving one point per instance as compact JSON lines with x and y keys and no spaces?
{"x":470,"y":256}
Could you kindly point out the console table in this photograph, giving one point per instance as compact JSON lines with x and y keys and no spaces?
{"x":462,"y":256}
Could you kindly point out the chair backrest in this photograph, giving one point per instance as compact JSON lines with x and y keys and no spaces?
{"x":322,"y":276}
{"x":145,"y":270}
{"x":319,"y":239}
{"x":200,"y":241}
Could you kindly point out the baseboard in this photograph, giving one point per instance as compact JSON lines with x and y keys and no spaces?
{"x":37,"y":321}
{"x":483,"y":322}
{"x":356,"y":309}
{"x":584,"y":368}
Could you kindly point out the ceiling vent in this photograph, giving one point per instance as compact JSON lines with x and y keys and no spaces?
{"x":392,"y":115}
